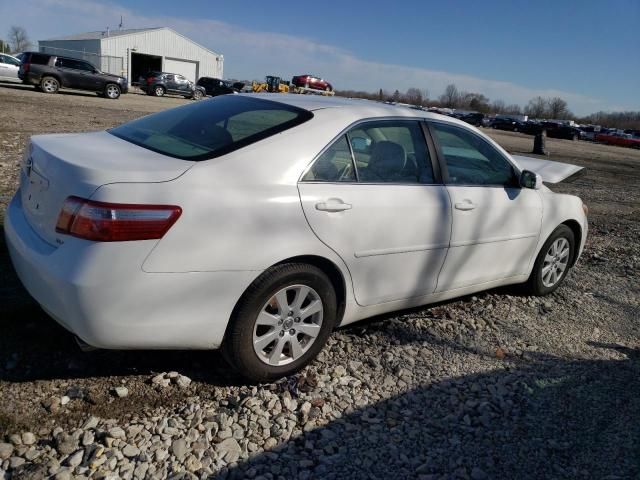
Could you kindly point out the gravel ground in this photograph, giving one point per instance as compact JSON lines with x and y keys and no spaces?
{"x":495,"y":385}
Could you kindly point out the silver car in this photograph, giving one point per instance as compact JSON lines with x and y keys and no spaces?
{"x":9,"y":67}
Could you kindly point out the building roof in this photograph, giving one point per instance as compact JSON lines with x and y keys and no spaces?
{"x":100,"y":34}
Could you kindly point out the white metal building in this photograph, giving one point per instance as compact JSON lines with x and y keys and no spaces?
{"x":132,"y":53}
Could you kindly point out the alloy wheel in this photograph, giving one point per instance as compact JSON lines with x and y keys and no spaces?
{"x":112,"y":91}
{"x":287,"y":325}
{"x":49,"y":85}
{"x":555,"y":262}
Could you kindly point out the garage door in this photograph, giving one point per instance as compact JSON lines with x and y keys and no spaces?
{"x":182,"y":67}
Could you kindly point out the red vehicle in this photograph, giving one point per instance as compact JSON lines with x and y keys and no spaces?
{"x":311,"y":81}
{"x":620,"y":140}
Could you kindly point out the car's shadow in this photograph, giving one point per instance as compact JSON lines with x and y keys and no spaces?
{"x":21,"y":86}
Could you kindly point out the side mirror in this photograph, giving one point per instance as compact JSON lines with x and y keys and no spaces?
{"x":529,"y":179}
{"x":360,"y":144}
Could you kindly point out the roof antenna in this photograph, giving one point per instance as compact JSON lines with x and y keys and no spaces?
{"x":120,"y":26}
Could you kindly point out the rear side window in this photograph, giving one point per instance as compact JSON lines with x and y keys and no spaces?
{"x":39,"y":59}
{"x":211,"y":128}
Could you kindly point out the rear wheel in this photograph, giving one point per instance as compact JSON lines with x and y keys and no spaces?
{"x":112,"y":91}
{"x":158,"y":91}
{"x":49,"y":85}
{"x":281,"y":323}
{"x":552,"y":265}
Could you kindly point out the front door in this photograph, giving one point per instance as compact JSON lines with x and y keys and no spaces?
{"x":372,"y":197}
{"x":496,"y":223}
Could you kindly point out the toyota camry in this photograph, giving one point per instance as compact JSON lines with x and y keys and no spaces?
{"x":259,"y":223}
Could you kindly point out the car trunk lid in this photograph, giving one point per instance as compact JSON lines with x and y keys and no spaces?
{"x":58,"y":166}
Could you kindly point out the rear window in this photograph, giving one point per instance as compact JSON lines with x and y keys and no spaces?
{"x":211,"y":128}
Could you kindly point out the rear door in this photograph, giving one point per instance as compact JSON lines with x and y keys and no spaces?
{"x":374,"y":197}
{"x":496,"y":223}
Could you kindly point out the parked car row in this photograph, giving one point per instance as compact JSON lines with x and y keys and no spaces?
{"x":49,"y":73}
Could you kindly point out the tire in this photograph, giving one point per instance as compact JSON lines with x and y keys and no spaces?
{"x":575,"y":137}
{"x":541,"y":282}
{"x":158,"y":91}
{"x":197,"y":95}
{"x":112,"y":91}
{"x":276,"y":357}
{"x":49,"y":85}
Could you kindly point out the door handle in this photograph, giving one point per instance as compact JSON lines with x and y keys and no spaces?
{"x":333,"y":205}
{"x":466,"y":204}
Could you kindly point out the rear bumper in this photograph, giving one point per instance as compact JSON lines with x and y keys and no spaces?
{"x":100,"y":293}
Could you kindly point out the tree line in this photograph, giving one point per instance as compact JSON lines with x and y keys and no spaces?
{"x":553,"y":108}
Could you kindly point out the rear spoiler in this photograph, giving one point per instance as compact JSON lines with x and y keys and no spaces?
{"x":550,"y":171}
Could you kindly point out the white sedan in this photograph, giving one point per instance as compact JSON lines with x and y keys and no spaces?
{"x":259,"y":223}
{"x":9,"y":67}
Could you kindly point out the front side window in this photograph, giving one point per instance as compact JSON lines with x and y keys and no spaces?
{"x":212,"y":128}
{"x":471,"y":160}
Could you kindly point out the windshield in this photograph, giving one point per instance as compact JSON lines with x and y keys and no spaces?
{"x":211,"y":128}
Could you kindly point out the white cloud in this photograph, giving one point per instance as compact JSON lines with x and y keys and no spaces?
{"x":252,"y":54}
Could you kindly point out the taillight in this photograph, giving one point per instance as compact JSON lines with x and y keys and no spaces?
{"x":115,"y":222}
{"x":150,"y":80}
{"x":25,"y":67}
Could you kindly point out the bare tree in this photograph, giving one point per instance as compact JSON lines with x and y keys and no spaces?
{"x":558,"y":108}
{"x":451,"y":97}
{"x":18,"y":39}
{"x":498,"y":106}
{"x":473,"y":101}
{"x":536,"y":108}
{"x":513,"y":108}
{"x":413,"y":96}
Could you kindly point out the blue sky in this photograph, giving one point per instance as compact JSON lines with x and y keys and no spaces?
{"x":588,"y":52}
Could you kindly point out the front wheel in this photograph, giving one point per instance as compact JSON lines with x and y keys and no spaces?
{"x":552,"y":265}
{"x":281,"y":322}
{"x":197,"y":95}
{"x":112,"y":91}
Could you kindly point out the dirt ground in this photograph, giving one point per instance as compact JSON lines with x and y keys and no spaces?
{"x":600,"y":302}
